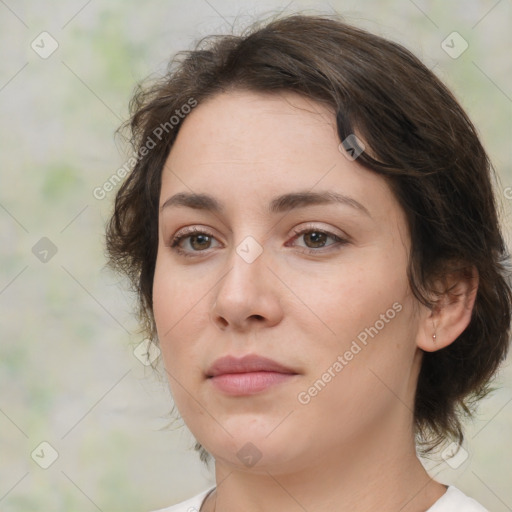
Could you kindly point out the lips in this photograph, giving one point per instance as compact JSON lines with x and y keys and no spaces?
{"x":247,"y":364}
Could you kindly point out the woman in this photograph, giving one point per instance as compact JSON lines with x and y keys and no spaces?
{"x":311,"y":227}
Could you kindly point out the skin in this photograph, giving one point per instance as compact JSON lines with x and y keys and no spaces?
{"x":352,"y":446}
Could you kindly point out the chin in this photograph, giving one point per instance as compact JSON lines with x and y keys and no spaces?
{"x":257,"y":449}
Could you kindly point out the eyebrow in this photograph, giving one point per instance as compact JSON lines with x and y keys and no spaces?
{"x":280,"y":204}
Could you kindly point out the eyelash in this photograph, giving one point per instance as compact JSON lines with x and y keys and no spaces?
{"x":174,"y":245}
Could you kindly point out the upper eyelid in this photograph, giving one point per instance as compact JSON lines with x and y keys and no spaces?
{"x":311,"y":226}
{"x":191,"y":230}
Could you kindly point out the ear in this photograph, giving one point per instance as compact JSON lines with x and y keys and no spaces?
{"x":452,"y":312}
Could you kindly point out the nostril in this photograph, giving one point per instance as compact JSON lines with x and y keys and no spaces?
{"x":223,"y":321}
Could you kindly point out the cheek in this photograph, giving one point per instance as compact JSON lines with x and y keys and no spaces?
{"x":353,"y":384}
{"x":352,"y":297}
{"x":366,"y":318}
{"x":177,"y":324}
{"x":175,"y":319}
{"x":173,"y":296}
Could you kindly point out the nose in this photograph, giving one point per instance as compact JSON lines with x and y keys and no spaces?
{"x":248,"y":294}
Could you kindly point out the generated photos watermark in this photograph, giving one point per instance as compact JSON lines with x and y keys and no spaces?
{"x":152,"y":140}
{"x":357,"y":345}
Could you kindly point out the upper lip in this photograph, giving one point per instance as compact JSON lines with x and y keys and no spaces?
{"x":245,"y":364}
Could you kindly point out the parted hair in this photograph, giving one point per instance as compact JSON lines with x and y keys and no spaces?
{"x":416,"y":135}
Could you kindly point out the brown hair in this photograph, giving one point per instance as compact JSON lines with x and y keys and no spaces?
{"x":416,"y":136}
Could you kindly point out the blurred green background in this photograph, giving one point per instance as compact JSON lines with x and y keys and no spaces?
{"x":69,"y":375}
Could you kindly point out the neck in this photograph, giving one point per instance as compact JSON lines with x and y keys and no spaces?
{"x":377,"y":474}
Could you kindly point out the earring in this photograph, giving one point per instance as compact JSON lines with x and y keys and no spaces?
{"x":434,"y":337}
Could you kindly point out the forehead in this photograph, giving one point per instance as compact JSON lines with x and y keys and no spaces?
{"x":244,"y":125}
{"x":246,"y":147}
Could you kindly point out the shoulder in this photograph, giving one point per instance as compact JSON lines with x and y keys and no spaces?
{"x":190,"y":505}
{"x":455,"y":500}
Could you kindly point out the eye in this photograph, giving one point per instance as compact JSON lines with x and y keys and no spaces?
{"x":200,"y":240}
{"x":197,"y":237}
{"x":316,"y":238}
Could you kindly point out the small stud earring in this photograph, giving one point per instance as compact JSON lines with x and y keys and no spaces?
{"x":434,"y":337}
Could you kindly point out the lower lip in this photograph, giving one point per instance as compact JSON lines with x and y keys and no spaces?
{"x":238,"y":384}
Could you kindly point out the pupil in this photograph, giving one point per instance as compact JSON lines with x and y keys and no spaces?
{"x":204,"y":237}
{"x":315,"y":235}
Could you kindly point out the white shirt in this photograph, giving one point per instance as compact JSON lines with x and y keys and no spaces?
{"x":452,"y":500}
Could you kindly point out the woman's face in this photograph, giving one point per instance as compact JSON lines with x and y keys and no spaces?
{"x":318,"y":286}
